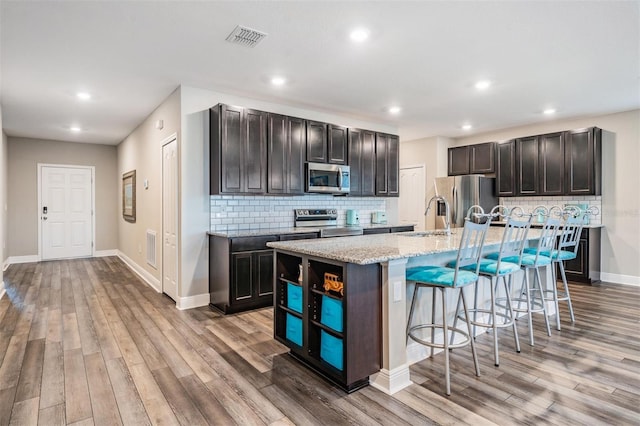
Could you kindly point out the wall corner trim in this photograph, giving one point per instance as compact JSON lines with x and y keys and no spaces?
{"x":2,"y":290}
{"x":152,"y":281}
{"x":196,"y":301}
{"x":12,"y":260}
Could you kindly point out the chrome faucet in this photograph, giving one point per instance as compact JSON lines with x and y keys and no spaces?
{"x":447,"y":219}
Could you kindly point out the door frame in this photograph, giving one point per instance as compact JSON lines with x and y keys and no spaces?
{"x":166,"y":141}
{"x":93,"y":202}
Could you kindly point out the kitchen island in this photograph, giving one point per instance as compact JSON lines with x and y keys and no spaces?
{"x":390,"y":255}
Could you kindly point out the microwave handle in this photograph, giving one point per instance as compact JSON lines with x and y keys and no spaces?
{"x":339,"y":179}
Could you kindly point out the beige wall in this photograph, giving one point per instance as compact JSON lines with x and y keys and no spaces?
{"x":432,"y":153}
{"x":142,"y":151}
{"x":620,"y":183}
{"x":3,"y":202}
{"x":24,"y":156}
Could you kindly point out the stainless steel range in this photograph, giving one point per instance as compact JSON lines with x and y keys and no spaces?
{"x":324,"y":219}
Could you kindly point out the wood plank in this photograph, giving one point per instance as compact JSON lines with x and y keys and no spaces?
{"x":70,"y":333}
{"x":6,"y":405}
{"x":31,"y":371}
{"x":52,"y":416}
{"x":103,"y":401}
{"x":129,"y":402}
{"x":158,"y":409}
{"x":52,"y":386}
{"x":205,"y":401}
{"x":76,"y":389}
{"x":25,"y":412}
{"x":12,"y":363}
{"x":182,"y":406}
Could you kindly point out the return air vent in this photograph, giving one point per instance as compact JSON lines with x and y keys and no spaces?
{"x":151,"y":247}
{"x":245,"y":36}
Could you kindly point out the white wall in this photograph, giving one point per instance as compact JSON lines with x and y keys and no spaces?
{"x":620,"y":182}
{"x":3,"y":203}
{"x":194,"y":186}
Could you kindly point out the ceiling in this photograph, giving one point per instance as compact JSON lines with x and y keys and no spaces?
{"x":581,"y":58}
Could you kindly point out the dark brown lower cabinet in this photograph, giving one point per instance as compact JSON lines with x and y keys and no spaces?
{"x":336,"y":334}
{"x":240,"y":273}
{"x":585,"y":268}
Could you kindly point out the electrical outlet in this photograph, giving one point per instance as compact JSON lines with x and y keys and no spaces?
{"x":140,"y":248}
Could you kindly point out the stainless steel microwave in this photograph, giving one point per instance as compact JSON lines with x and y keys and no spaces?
{"x":327,"y":178}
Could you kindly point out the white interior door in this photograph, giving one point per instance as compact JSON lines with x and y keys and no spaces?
{"x":412,"y":195}
{"x":66,"y":212}
{"x":170,"y":219}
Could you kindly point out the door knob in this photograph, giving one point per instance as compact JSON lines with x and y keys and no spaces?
{"x":44,"y":218}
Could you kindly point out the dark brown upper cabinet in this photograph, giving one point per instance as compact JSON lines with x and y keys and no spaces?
{"x":527,"y":166}
{"x":506,"y":170}
{"x":337,"y":144}
{"x":551,"y":163}
{"x":286,"y":143}
{"x":316,"y":142}
{"x":362,"y":161}
{"x":238,"y":150}
{"x":472,"y":159}
{"x":387,"y":165}
{"x":583,"y":161}
{"x":561,"y":163}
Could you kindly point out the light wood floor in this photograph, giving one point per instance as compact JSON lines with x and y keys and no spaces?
{"x":86,"y":342}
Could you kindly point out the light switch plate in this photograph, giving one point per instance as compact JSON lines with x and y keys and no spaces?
{"x":397,"y":291}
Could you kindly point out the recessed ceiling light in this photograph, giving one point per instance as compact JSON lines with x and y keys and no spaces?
{"x":466,"y":127}
{"x":83,"y":96}
{"x":75,"y":129}
{"x":278,"y":81}
{"x":549,"y":111}
{"x":359,"y":35}
{"x":483,"y":84}
{"x":395,"y":110}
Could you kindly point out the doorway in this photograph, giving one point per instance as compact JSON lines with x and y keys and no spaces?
{"x":65,"y":210}
{"x":412,"y":197}
{"x":170,"y":217}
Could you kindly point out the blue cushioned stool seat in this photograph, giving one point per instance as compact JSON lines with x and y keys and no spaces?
{"x":562,"y":255}
{"x":440,"y":275}
{"x":527,"y":259}
{"x":490,"y":267}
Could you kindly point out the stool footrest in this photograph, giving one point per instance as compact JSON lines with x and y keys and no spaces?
{"x":453,"y":330}
{"x":508,"y":323}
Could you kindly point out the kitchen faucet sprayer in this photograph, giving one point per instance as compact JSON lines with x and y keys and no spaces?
{"x":447,"y":219}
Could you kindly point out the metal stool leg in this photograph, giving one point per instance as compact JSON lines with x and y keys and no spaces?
{"x":529,"y":305}
{"x":512,"y":316}
{"x":566,"y":290}
{"x":413,"y":305}
{"x":445,"y":340}
{"x":554,"y":290}
{"x":494,"y":323}
{"x":471,"y":339}
{"x":544,"y":304}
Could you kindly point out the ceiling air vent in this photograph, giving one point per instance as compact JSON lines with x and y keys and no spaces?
{"x":245,"y":36}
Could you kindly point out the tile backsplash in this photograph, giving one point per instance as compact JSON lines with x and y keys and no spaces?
{"x":241,"y":212}
{"x":528,"y":203}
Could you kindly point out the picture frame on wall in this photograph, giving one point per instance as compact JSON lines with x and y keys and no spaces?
{"x":129,"y":196}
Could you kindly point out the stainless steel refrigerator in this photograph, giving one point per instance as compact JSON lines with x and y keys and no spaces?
{"x":462,"y":192}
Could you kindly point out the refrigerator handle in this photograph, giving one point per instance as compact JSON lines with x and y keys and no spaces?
{"x":454,"y":211}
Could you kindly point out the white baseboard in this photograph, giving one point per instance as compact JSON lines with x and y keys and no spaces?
{"x":105,"y":253}
{"x":152,"y":281}
{"x":2,"y":290}
{"x":193,"y":301}
{"x":620,"y":279}
{"x":12,"y":260}
{"x":5,"y":265}
{"x":393,"y":381}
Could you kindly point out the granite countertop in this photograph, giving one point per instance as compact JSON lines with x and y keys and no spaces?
{"x":285,"y":230}
{"x":540,"y":225}
{"x":367,"y":249}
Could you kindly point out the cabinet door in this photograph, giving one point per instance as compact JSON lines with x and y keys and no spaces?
{"x":337,"y":144}
{"x":578,"y":269}
{"x":368,"y":164}
{"x":582,"y":162}
{"x":231,"y":149}
{"x":277,"y":154}
{"x":551,"y":158}
{"x":527,"y":165}
{"x":506,"y":172}
{"x":297,"y":139}
{"x":242,"y":279}
{"x":316,"y":142}
{"x":382,"y":147}
{"x":458,"y":161}
{"x":355,"y":161}
{"x":255,"y":158}
{"x":482,"y":158}
{"x":393,"y":167}
{"x":264,"y":272}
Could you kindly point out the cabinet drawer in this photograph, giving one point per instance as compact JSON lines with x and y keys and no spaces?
{"x":300,"y":236}
{"x":251,"y":243}
{"x":371,"y":231}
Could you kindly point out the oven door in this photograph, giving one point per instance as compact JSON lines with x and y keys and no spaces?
{"x":327,"y":178}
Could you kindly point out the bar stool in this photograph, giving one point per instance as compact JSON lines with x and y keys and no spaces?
{"x":443,"y":279}
{"x":567,"y":248}
{"x":511,"y":247}
{"x":535,"y":258}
